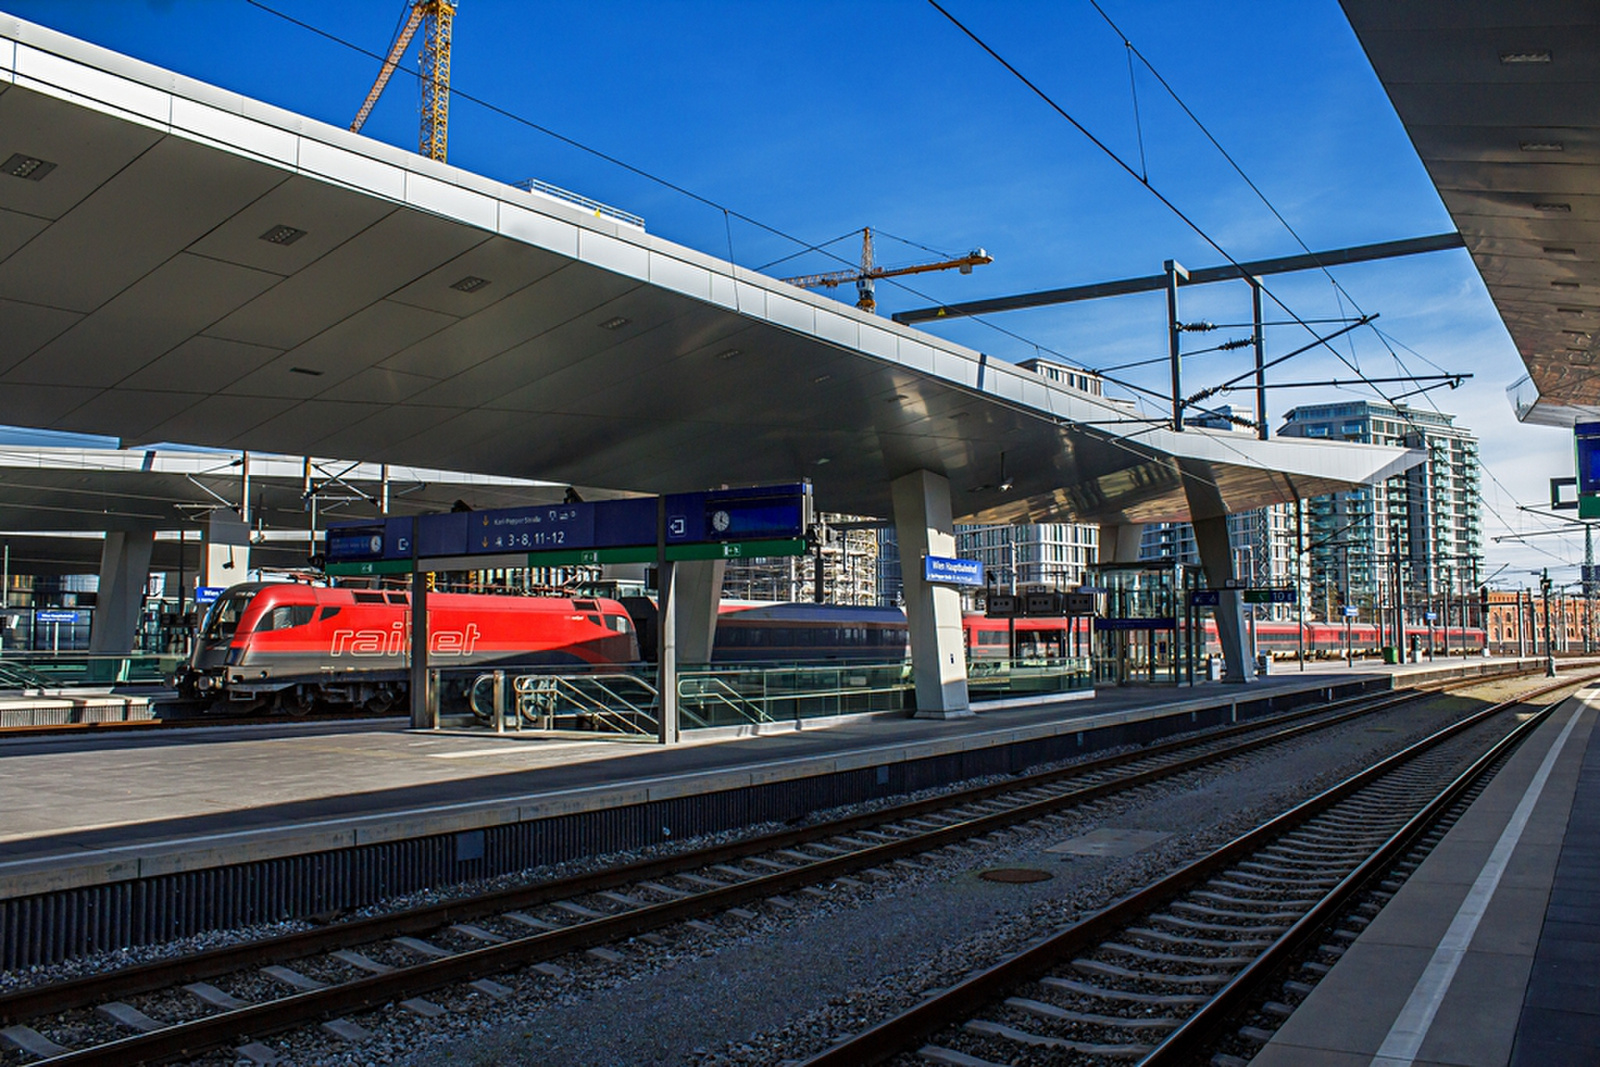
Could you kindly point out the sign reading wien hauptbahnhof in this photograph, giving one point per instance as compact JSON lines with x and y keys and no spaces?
{"x":719,"y":524}
{"x":952,"y":571}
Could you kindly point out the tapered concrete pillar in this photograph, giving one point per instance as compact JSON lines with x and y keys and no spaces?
{"x":1119,"y":544}
{"x":1209,"y":517}
{"x":924,"y":527}
{"x":225,"y":551}
{"x":696,"y":594}
{"x":124,"y":571}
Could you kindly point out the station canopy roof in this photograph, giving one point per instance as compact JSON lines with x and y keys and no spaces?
{"x":1502,"y":101}
{"x":181,"y":263}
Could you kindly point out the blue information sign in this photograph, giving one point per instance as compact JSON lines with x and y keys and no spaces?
{"x":1430,"y":616}
{"x":532,"y":529}
{"x":762,"y":513}
{"x":205,"y":594}
{"x":952,"y":571}
{"x":1350,"y":611}
{"x":55,"y":616}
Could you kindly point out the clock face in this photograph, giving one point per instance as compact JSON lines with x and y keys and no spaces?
{"x":720,"y":521}
{"x":377,"y":544}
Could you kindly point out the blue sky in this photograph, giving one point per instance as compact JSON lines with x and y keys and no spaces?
{"x":816,"y":119}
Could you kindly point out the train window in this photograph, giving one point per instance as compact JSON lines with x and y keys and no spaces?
{"x":618,"y":623}
{"x":992,"y":637}
{"x":368,"y":598}
{"x":399,"y":598}
{"x":328,"y":613}
{"x":286,"y":616}
{"x":223,"y":619}
{"x":595,"y":619}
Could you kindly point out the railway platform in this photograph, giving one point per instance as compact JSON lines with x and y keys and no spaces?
{"x":1489,"y":954}
{"x":300,"y":818}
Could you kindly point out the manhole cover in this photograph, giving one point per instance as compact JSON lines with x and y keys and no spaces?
{"x":1015,"y":874}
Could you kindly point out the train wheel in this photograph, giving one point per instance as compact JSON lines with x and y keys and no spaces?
{"x":380,"y":702}
{"x":295,"y":702}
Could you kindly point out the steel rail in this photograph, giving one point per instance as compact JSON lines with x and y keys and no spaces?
{"x":160,"y":974}
{"x":195,"y":1036}
{"x":894,"y":1036}
{"x":1201,"y":1027}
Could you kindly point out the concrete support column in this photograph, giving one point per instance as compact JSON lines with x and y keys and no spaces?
{"x":696,"y":594}
{"x":124,"y":571}
{"x":924,"y":527}
{"x":1119,"y":544}
{"x":225,"y":551}
{"x":1216,"y":556}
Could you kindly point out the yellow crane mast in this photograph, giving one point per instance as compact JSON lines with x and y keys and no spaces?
{"x":868,"y":273}
{"x":435,"y":18}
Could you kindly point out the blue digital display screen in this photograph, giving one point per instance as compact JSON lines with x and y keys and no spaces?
{"x":1586,"y":435}
{"x":532,"y":529}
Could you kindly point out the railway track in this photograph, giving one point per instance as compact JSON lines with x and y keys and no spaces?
{"x":1156,"y":977}
{"x":179,"y":1008}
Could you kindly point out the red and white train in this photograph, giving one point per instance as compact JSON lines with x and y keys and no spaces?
{"x":292,"y":646}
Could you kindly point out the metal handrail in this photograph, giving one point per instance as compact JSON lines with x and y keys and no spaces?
{"x":713,"y":690}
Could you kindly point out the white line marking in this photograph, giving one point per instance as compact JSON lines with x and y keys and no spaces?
{"x":1410,"y":1029}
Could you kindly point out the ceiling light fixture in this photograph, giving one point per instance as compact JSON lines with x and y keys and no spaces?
{"x":819,"y":379}
{"x":1005,"y":482}
{"x":615,"y":324}
{"x":282,"y":235}
{"x":1549,"y":251}
{"x":1570,"y":311}
{"x":470,"y":284}
{"x":1516,"y":58}
{"x":727,"y":354}
{"x":29,"y":167}
{"x":1553,"y":208}
{"x":1565,"y":285}
{"x":1543,"y":146}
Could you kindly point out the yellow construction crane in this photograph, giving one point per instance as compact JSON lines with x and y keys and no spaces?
{"x":867,"y":273}
{"x":435,"y":18}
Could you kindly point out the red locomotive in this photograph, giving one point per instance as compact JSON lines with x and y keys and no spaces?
{"x":293,"y":646}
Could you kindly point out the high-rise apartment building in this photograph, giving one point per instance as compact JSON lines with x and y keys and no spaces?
{"x":1417,"y":534}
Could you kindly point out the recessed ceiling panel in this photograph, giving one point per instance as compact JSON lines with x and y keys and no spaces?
{"x":123,"y":337}
{"x":382,"y":258}
{"x":141,"y":217}
{"x":17,"y":229}
{"x":480,"y":277}
{"x":219,"y":421}
{"x":140,"y":410}
{"x":27,"y":328}
{"x":532,"y":311}
{"x":86,"y":147}
{"x":260,"y":235}
{"x":202,"y":364}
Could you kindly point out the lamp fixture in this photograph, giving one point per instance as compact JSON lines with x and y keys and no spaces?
{"x":29,"y":167}
{"x":616,"y":323}
{"x":282,"y":235}
{"x":1543,"y":146}
{"x":470,"y":284}
{"x":1553,"y":208}
{"x":1518,"y":58}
